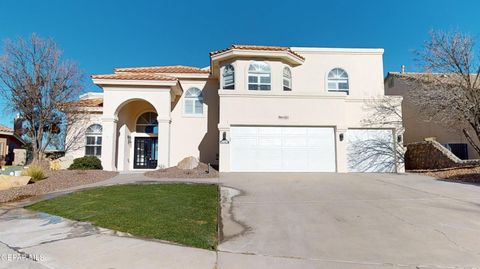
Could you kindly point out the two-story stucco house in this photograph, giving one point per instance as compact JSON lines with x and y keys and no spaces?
{"x":255,"y":108}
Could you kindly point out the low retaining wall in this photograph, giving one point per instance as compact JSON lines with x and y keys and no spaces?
{"x":432,"y":155}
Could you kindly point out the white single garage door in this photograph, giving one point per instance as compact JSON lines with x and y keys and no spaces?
{"x":370,"y":150}
{"x":289,"y":149}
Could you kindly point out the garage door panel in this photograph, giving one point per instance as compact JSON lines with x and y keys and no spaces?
{"x":370,"y":150}
{"x":243,"y":142}
{"x":295,"y":141}
{"x":293,"y":149}
{"x":266,"y":131}
{"x":269,"y":141}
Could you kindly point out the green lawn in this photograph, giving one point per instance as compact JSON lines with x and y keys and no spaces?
{"x":181,"y":213}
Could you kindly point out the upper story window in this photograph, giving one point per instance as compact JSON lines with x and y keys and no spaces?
{"x":228,"y":77}
{"x":193,"y":104}
{"x":147,"y":123}
{"x":337,"y":81}
{"x":287,"y":79}
{"x":259,"y":76}
{"x":93,"y":146}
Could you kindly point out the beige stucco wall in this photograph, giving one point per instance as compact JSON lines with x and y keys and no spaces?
{"x":417,"y":128}
{"x":75,"y":138}
{"x":308,"y":104}
{"x":196,"y":135}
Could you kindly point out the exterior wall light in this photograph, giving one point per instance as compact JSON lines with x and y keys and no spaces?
{"x":399,"y":138}
{"x":224,"y":139}
{"x":129,"y":139}
{"x":340,"y":136}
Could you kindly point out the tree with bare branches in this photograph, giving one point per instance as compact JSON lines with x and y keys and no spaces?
{"x":378,"y":151}
{"x":448,"y":92}
{"x":37,"y":83}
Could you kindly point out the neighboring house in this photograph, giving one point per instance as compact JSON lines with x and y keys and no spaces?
{"x":417,"y":128}
{"x":255,"y":108}
{"x":8,"y":142}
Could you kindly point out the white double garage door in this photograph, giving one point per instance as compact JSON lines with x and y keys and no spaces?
{"x":308,"y":149}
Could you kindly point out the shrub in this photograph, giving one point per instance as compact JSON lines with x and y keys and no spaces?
{"x":86,"y":163}
{"x":55,"y":165}
{"x":35,"y":172}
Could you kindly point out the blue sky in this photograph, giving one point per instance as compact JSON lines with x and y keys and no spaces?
{"x":101,"y":35}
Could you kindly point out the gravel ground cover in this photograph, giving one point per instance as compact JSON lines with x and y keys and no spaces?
{"x":55,"y":181}
{"x":202,"y":171}
{"x":463,"y":175}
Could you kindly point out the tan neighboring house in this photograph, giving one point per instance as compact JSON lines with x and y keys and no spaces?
{"x":416,"y":128}
{"x":255,"y":108}
{"x":8,"y":142}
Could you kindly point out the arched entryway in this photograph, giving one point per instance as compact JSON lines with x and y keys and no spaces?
{"x":138,"y":139}
{"x":145,"y":144}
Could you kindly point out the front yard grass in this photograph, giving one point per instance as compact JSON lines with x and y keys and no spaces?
{"x":181,"y":213}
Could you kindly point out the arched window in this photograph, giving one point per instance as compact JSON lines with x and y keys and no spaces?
{"x":147,"y":123}
{"x":193,"y":104}
{"x":228,"y":77}
{"x":337,"y":81}
{"x":259,"y":76}
{"x":93,"y":146}
{"x":287,"y":79}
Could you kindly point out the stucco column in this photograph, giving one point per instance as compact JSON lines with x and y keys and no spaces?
{"x":163,"y":142}
{"x":109,"y":140}
{"x":224,"y":148}
{"x":341,"y":149}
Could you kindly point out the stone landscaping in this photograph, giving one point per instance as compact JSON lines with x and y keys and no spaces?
{"x":201,"y":171}
{"x":469,"y":175}
{"x":55,"y":181}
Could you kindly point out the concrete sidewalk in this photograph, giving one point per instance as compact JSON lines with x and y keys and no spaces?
{"x":54,"y":242}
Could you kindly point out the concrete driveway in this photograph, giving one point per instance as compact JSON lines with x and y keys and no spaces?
{"x":328,"y":220}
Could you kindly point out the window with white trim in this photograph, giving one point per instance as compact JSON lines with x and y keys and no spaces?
{"x":193,"y":103}
{"x":93,"y":146}
{"x":287,"y":79}
{"x":147,"y":123}
{"x":337,"y":81}
{"x":228,"y":77}
{"x":259,"y":76}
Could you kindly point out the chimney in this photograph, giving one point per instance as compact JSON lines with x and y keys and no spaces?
{"x":403,"y":69}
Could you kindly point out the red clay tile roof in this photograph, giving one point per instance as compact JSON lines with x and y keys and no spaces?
{"x":97,"y":102}
{"x":164,"y":69}
{"x":5,"y":129}
{"x":135,"y":76}
{"x":259,"y":48}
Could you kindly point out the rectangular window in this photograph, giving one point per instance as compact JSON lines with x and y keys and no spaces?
{"x":189,"y":107}
{"x":93,"y":146}
{"x":259,"y":82}
{"x":198,"y":107}
{"x":228,"y":82}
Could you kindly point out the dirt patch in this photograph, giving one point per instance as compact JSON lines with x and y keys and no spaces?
{"x":462,"y":175}
{"x":55,"y":181}
{"x":202,"y":171}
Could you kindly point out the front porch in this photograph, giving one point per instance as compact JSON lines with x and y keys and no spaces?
{"x":136,"y":123}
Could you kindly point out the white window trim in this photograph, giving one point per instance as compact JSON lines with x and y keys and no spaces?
{"x":326,"y":80}
{"x":265,"y":74}
{"x":194,"y":115}
{"x":95,"y":145}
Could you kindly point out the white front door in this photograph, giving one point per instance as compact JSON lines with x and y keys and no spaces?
{"x":370,"y":150}
{"x":289,"y":149}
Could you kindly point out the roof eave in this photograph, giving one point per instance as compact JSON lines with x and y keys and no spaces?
{"x":233,"y":53}
{"x":134,"y":82}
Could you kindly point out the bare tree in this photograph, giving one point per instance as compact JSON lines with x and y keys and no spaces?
{"x":378,"y":151}
{"x":36,"y":84}
{"x":448,"y":92}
